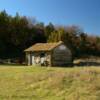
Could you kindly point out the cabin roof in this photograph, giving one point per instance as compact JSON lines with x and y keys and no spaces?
{"x":43,"y":46}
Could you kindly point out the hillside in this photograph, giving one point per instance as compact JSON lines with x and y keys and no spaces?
{"x":40,"y":83}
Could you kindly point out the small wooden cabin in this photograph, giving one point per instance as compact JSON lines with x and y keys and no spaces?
{"x":48,"y":54}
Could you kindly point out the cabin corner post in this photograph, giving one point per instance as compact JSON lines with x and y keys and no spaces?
{"x":51,"y":58}
{"x":28,"y":58}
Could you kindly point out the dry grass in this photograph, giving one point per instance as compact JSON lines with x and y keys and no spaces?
{"x":39,"y":83}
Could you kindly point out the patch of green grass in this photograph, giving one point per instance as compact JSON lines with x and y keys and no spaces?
{"x":45,"y":83}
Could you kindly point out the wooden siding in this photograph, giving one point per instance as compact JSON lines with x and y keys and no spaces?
{"x":61,"y":56}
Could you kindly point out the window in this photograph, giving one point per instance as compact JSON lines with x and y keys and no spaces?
{"x":42,"y":54}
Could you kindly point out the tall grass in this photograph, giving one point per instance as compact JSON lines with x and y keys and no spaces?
{"x":41,"y":83}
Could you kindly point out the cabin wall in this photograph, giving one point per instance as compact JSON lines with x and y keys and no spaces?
{"x":61,"y":56}
{"x":35,"y":58}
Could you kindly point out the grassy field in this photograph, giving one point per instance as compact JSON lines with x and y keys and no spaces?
{"x":41,"y":83}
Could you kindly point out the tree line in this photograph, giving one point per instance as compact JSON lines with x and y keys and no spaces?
{"x":19,"y":32}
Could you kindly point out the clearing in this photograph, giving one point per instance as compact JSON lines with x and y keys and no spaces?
{"x":45,"y":83}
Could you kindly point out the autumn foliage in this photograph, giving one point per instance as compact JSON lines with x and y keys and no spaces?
{"x":19,"y":32}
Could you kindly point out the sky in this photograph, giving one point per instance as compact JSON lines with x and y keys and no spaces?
{"x":83,"y":13}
